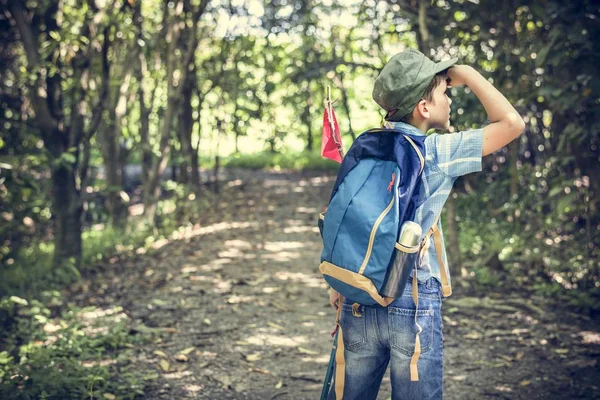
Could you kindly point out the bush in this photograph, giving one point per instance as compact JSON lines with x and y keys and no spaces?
{"x":288,"y":161}
{"x":73,"y":355}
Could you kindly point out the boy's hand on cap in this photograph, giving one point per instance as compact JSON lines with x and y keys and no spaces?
{"x":457,"y":75}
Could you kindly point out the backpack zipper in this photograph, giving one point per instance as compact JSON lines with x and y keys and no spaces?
{"x":373,"y":231}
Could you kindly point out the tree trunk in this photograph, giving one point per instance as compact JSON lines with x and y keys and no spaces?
{"x":67,"y":211}
{"x":186,"y":125}
{"x":177,"y":73}
{"x":63,"y":138}
{"x":194,"y":161}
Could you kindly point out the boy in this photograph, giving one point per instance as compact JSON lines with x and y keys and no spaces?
{"x":412,"y":90}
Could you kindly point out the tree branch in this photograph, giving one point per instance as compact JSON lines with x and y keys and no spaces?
{"x":39,"y":97}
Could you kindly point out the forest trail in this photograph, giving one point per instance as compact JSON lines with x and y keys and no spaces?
{"x":243,"y":312}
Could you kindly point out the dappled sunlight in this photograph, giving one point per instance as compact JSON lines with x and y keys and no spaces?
{"x":301,"y":229}
{"x":193,"y":388}
{"x":295,"y":222}
{"x":281,"y":190}
{"x":275,"y":182}
{"x":321,"y":180}
{"x":589,"y":337}
{"x":193,"y":231}
{"x":269,"y":339}
{"x":237,"y":299}
{"x":230,"y":253}
{"x":240,"y":244}
{"x":178,"y":374}
{"x":324,"y":359}
{"x":283,"y":256}
{"x":214,"y":265}
{"x":278,"y":246}
{"x":117,"y":312}
{"x":98,"y":363}
{"x":307,"y":210}
{"x":312,"y":280}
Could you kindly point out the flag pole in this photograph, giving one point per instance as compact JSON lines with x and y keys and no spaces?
{"x":330,"y":118}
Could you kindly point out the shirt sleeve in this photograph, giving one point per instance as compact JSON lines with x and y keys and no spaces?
{"x":460,"y":153}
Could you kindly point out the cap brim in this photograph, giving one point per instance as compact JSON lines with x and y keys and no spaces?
{"x":442,"y":65}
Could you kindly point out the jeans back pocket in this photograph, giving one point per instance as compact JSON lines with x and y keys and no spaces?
{"x":403,"y":329}
{"x":354,"y":329}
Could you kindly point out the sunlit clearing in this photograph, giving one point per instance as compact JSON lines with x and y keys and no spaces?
{"x":264,"y":339}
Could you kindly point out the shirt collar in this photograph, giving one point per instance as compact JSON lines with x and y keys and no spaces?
{"x":404,"y":127}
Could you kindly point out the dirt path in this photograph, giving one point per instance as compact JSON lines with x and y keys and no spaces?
{"x":243,"y":297}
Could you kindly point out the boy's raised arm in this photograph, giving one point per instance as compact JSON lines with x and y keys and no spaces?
{"x":506,"y":123}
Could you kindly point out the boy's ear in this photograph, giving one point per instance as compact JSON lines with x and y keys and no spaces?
{"x":423,"y":109}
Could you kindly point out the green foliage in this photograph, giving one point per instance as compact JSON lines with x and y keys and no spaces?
{"x":53,"y":355}
{"x":282,"y":161}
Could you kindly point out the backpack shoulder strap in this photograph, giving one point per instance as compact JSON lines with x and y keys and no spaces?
{"x":437,"y":240}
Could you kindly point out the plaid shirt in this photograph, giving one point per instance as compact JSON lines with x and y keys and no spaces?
{"x":448,"y":156}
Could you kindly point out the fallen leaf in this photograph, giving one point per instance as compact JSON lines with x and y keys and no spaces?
{"x":164,"y":365}
{"x":181,"y":357}
{"x":449,"y":321}
{"x":253,"y":357}
{"x":187,"y":351}
{"x":160,"y":353}
{"x":207,"y":321}
{"x":279,"y":385}
{"x":258,"y":281}
{"x":260,"y":370}
{"x":519,"y":356}
{"x":170,"y":330}
{"x":472,"y":336}
{"x":307,"y":351}
{"x":273,"y":325}
{"x":524,"y":383}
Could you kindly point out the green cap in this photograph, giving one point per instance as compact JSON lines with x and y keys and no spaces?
{"x":403,"y":80}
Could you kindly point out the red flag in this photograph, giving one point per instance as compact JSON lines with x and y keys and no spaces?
{"x":329,"y":148}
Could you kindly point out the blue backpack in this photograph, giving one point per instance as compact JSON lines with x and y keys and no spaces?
{"x":375,"y":192}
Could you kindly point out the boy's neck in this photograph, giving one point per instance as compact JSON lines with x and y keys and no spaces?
{"x":419,"y":123}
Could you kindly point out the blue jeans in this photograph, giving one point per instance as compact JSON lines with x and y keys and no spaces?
{"x":384,"y":334}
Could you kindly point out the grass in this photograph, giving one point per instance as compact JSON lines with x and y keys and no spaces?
{"x":294,"y":161}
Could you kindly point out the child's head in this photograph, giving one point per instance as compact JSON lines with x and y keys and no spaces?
{"x":412,"y":88}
